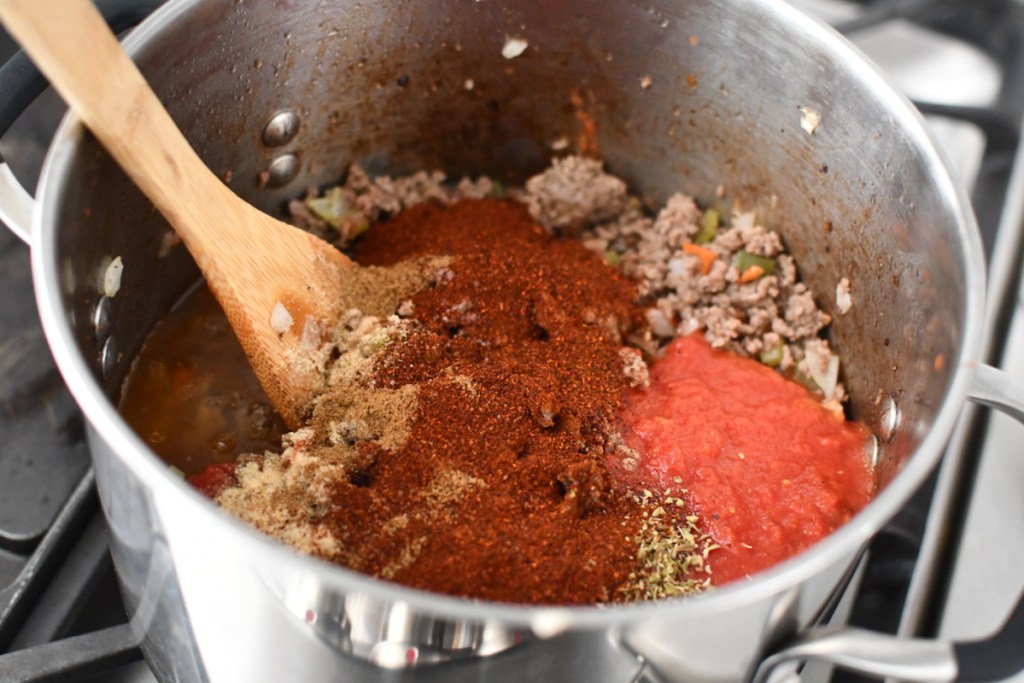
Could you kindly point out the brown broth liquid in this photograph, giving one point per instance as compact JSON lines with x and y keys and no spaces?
{"x":191,"y":393}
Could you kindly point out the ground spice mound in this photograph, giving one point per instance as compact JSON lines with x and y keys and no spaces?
{"x":499,"y":492}
{"x":473,"y":386}
{"x":465,"y":454}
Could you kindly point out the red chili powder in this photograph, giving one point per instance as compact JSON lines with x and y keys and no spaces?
{"x":500,"y":491}
{"x":768,"y":469}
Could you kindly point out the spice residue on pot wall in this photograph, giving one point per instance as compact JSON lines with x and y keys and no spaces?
{"x":473,"y":441}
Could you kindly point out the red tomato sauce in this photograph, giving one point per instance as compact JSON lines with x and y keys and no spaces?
{"x":766,"y":467}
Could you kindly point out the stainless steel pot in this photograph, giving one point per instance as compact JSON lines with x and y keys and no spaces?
{"x":685,"y":95}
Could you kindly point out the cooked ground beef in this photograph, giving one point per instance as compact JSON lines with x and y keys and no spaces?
{"x":770,"y":315}
{"x":773,"y":317}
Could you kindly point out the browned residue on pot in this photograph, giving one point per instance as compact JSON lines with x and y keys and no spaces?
{"x":586,"y":141}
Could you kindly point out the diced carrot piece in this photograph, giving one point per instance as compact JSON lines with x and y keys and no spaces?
{"x":751,"y":274}
{"x":706,"y":256}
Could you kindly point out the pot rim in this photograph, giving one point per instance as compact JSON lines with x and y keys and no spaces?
{"x":109,"y":425}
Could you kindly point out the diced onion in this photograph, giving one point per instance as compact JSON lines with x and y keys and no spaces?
{"x":745,"y":219}
{"x":330,"y":208}
{"x":112,"y":277}
{"x":560,"y":144}
{"x":809,"y":120}
{"x":843,"y":299}
{"x":660,"y":324}
{"x":824,"y":374}
{"x":514,"y":47}
{"x":280,"y":319}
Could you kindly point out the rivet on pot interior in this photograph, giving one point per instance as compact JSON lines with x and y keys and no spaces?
{"x":890,"y":420}
{"x":282,"y":170}
{"x":101,"y":318}
{"x":872,"y":451}
{"x":281,"y":128}
{"x":108,"y":357}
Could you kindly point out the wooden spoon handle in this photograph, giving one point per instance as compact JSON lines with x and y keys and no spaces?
{"x":84,"y":62}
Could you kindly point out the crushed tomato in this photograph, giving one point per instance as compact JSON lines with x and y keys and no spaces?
{"x":214,"y":478}
{"x":768,"y":469}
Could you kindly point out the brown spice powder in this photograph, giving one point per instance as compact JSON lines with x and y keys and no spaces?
{"x":516,"y":359}
{"x":461,"y":446}
{"x":371,"y":297}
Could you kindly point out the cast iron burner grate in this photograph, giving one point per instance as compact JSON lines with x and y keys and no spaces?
{"x":61,"y":618}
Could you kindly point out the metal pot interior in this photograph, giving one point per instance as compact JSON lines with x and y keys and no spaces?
{"x":402,"y":85}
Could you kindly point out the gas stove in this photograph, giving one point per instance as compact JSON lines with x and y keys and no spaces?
{"x":947,"y":566}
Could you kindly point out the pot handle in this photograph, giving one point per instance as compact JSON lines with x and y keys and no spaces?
{"x":996,"y":389}
{"x":914,"y":659}
{"x":904,"y":659}
{"x":21,"y":83}
{"x":16,"y":204}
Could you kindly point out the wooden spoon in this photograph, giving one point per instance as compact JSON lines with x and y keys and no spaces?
{"x":257,"y":267}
